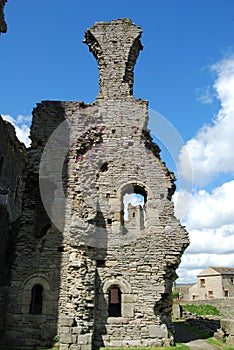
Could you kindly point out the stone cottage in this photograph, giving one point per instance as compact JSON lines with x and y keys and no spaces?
{"x":87,"y":265}
{"x":213,"y":283}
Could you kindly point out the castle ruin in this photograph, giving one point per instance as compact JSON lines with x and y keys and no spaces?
{"x":77,"y":266}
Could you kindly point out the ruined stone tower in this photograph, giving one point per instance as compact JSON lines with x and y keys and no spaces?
{"x":82,"y":270}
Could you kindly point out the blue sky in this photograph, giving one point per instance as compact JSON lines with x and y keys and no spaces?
{"x":186,"y":72}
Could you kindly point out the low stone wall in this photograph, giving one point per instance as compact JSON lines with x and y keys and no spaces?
{"x":210,"y":325}
{"x":225,"y":305}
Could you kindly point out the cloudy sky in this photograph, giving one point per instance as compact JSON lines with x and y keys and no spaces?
{"x":186,"y":71}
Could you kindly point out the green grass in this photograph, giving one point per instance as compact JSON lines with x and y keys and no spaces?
{"x":178,"y":346}
{"x":219,"y":345}
{"x":202,"y":310}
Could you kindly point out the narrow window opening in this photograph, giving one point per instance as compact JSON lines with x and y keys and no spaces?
{"x":113,"y":131}
{"x":101,"y":263}
{"x":36,"y":300}
{"x":60,"y":249}
{"x":210,"y":293}
{"x":104,"y":167}
{"x":109,"y":221}
{"x":114,"y":309}
{"x":74,"y":323}
{"x":202,"y":283}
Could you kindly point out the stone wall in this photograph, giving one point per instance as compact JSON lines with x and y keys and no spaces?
{"x":117,"y":157}
{"x":39,"y":244}
{"x":226,"y":331}
{"x":72,"y":239}
{"x":3,"y":26}
{"x":12,"y":166}
{"x":224,"y":305}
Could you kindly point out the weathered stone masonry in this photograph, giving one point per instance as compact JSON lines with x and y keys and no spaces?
{"x":12,"y":166}
{"x":106,"y":280}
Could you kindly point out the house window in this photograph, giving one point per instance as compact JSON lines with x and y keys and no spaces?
{"x":36,"y":300}
{"x":232,"y":280}
{"x":114,"y":309}
{"x":202,"y":283}
{"x":226,"y":294}
{"x":210,"y":293}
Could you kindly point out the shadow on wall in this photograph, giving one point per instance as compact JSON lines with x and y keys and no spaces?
{"x":32,"y":307}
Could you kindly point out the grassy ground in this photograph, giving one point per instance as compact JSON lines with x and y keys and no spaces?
{"x":219,"y":345}
{"x":202,"y":310}
{"x":177,"y":347}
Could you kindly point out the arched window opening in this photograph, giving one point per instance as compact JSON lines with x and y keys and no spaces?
{"x":114,"y":309}
{"x":36,"y":300}
{"x":104,"y":167}
{"x":134,"y":202}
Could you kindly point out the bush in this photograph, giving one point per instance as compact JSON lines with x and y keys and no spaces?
{"x":175,"y":294}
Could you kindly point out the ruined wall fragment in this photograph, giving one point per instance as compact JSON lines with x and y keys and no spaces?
{"x":3,"y":25}
{"x":12,"y":166}
{"x":76,"y":244}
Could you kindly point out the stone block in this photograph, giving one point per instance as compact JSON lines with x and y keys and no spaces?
{"x":129,"y":298}
{"x":117,"y":320}
{"x":128,"y":310}
{"x":64,"y":347}
{"x":85,"y":339}
{"x":48,"y":308}
{"x":230,"y":340}
{"x":66,"y":321}
{"x":228,"y":326}
{"x":114,"y":344}
{"x":66,"y":338}
{"x":158,"y":331}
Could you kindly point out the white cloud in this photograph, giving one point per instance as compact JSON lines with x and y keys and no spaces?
{"x":210,"y":223}
{"x":182,"y":199}
{"x":192,"y":264}
{"x":21,"y":128}
{"x":210,"y":150}
{"x":211,"y":210}
{"x":208,"y":241}
{"x":205,"y":95}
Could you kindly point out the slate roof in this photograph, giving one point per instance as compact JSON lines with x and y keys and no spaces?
{"x":219,"y":270}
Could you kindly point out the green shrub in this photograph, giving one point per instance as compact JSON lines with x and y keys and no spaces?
{"x":175,"y":294}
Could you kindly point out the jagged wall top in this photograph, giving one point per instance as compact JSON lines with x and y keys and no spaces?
{"x":116,"y":46}
{"x":3,"y":26}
